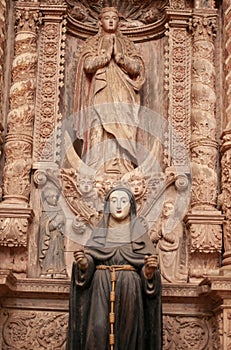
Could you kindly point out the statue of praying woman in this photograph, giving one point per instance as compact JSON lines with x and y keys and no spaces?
{"x":110,"y":74}
{"x":115,"y":297}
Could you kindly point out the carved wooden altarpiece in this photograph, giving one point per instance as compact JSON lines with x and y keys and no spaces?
{"x":51,"y":198}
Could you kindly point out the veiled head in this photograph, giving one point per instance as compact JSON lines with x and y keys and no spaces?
{"x":120,"y":198}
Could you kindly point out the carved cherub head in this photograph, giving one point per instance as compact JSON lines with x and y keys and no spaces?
{"x":85,"y":184}
{"x":138,"y":185}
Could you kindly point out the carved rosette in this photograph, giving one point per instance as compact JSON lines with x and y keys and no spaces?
{"x":177,"y":82}
{"x":226,"y":142}
{"x":34,"y":330}
{"x":18,"y":148}
{"x":189,"y":333}
{"x":46,"y":146}
{"x":177,"y":4}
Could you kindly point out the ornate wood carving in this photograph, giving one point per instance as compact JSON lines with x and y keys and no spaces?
{"x":21,"y":116}
{"x":34,"y":329}
{"x":226,"y":143}
{"x":46,"y":147}
{"x":203,"y":145}
{"x":39,"y":99}
{"x":18,"y":149}
{"x":177,"y":83}
{"x":184,"y":332}
{"x":141,"y":20}
{"x":2,"y":44}
{"x":205,"y":238}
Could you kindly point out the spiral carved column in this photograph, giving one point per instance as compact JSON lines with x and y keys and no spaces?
{"x":204,"y":221}
{"x":15,"y":213}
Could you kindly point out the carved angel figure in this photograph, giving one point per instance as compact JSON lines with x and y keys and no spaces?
{"x":110,"y":74}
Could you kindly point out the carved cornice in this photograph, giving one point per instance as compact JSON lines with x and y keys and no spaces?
{"x":212,"y":217}
{"x":7,"y":282}
{"x":219,"y":285}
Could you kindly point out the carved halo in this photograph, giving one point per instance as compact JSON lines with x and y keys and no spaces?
{"x":140,"y":19}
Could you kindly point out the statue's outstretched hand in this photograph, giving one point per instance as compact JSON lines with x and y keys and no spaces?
{"x":81,"y":259}
{"x":150,"y":265}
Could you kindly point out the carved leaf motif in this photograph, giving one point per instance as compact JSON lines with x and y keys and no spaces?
{"x":186,"y":333}
{"x":31,"y":330}
{"x":206,"y":238}
{"x":13,"y":232}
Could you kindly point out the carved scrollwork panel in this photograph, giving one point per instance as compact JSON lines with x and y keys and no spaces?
{"x":34,"y":330}
{"x":187,"y":333}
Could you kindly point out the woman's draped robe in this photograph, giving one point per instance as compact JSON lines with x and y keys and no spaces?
{"x":106,"y":107}
{"x":137,"y":301}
